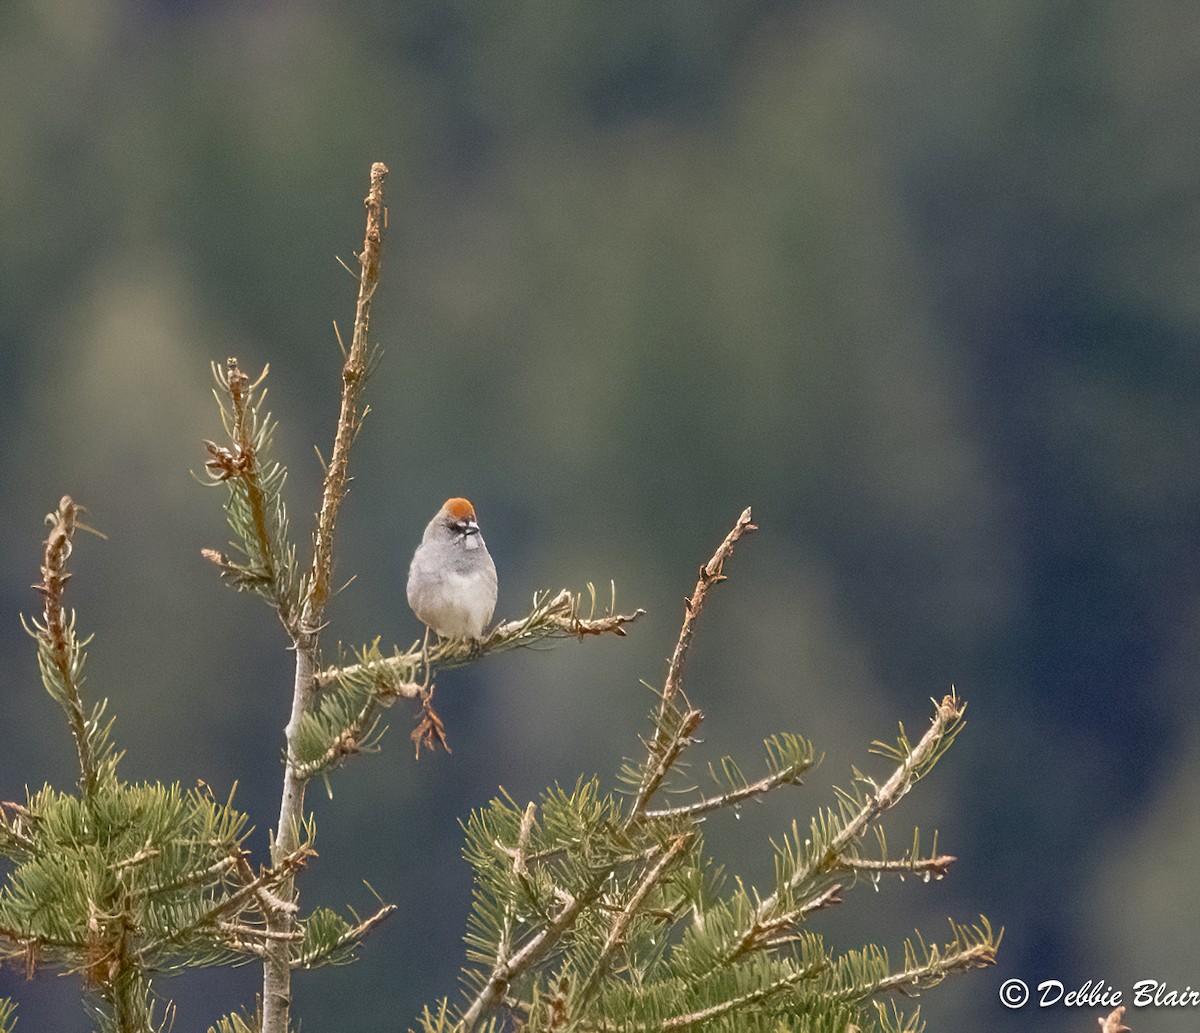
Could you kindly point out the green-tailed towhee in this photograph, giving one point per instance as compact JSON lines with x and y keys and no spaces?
{"x":452,"y":579}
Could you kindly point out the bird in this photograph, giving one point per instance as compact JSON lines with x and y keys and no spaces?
{"x":452,"y":580}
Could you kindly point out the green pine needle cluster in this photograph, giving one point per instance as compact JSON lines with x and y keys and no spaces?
{"x":345,"y":719}
{"x":141,"y":873}
{"x":62,"y":654}
{"x":589,"y":914}
{"x":236,"y":1023}
{"x":120,"y":881}
{"x":255,"y":509}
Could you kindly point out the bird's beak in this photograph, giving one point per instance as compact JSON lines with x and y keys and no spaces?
{"x":471,"y":527}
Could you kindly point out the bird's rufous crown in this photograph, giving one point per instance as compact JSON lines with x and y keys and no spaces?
{"x":459,"y":509}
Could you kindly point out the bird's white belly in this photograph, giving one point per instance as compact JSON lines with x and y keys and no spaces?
{"x":456,"y":607}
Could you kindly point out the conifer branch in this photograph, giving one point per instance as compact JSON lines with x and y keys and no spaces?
{"x":972,"y":947}
{"x":551,"y":617}
{"x":672,"y":727}
{"x":506,"y":969}
{"x":914,"y":764}
{"x":778,"y":911}
{"x":277,"y":963}
{"x":710,"y":574}
{"x":255,"y":887}
{"x":936,"y":866}
{"x":344,"y":719}
{"x":238,"y":1023}
{"x":61,"y":655}
{"x":626,"y":915}
{"x":256,"y":511}
{"x":113,"y":886}
{"x":786,"y":776}
{"x":357,"y":735}
{"x":673,"y":734}
{"x":741,"y":956}
{"x":271,"y":879}
{"x":746,"y":1000}
{"x":246,"y":936}
{"x":249,"y":937}
{"x":926,"y":866}
{"x":348,"y":939}
{"x":14,"y":834}
{"x":129,"y":994}
{"x":24,"y":941}
{"x":520,"y":865}
{"x":194,"y":878}
{"x":832,"y":895}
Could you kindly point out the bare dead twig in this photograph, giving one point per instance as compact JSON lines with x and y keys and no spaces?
{"x":710,"y":574}
{"x":354,"y":374}
{"x":671,"y":738}
{"x":277,"y":961}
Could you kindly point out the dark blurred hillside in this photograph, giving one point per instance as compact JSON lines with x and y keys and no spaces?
{"x":918,"y":283}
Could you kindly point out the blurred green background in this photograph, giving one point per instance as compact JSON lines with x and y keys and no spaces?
{"x":917,"y":282}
